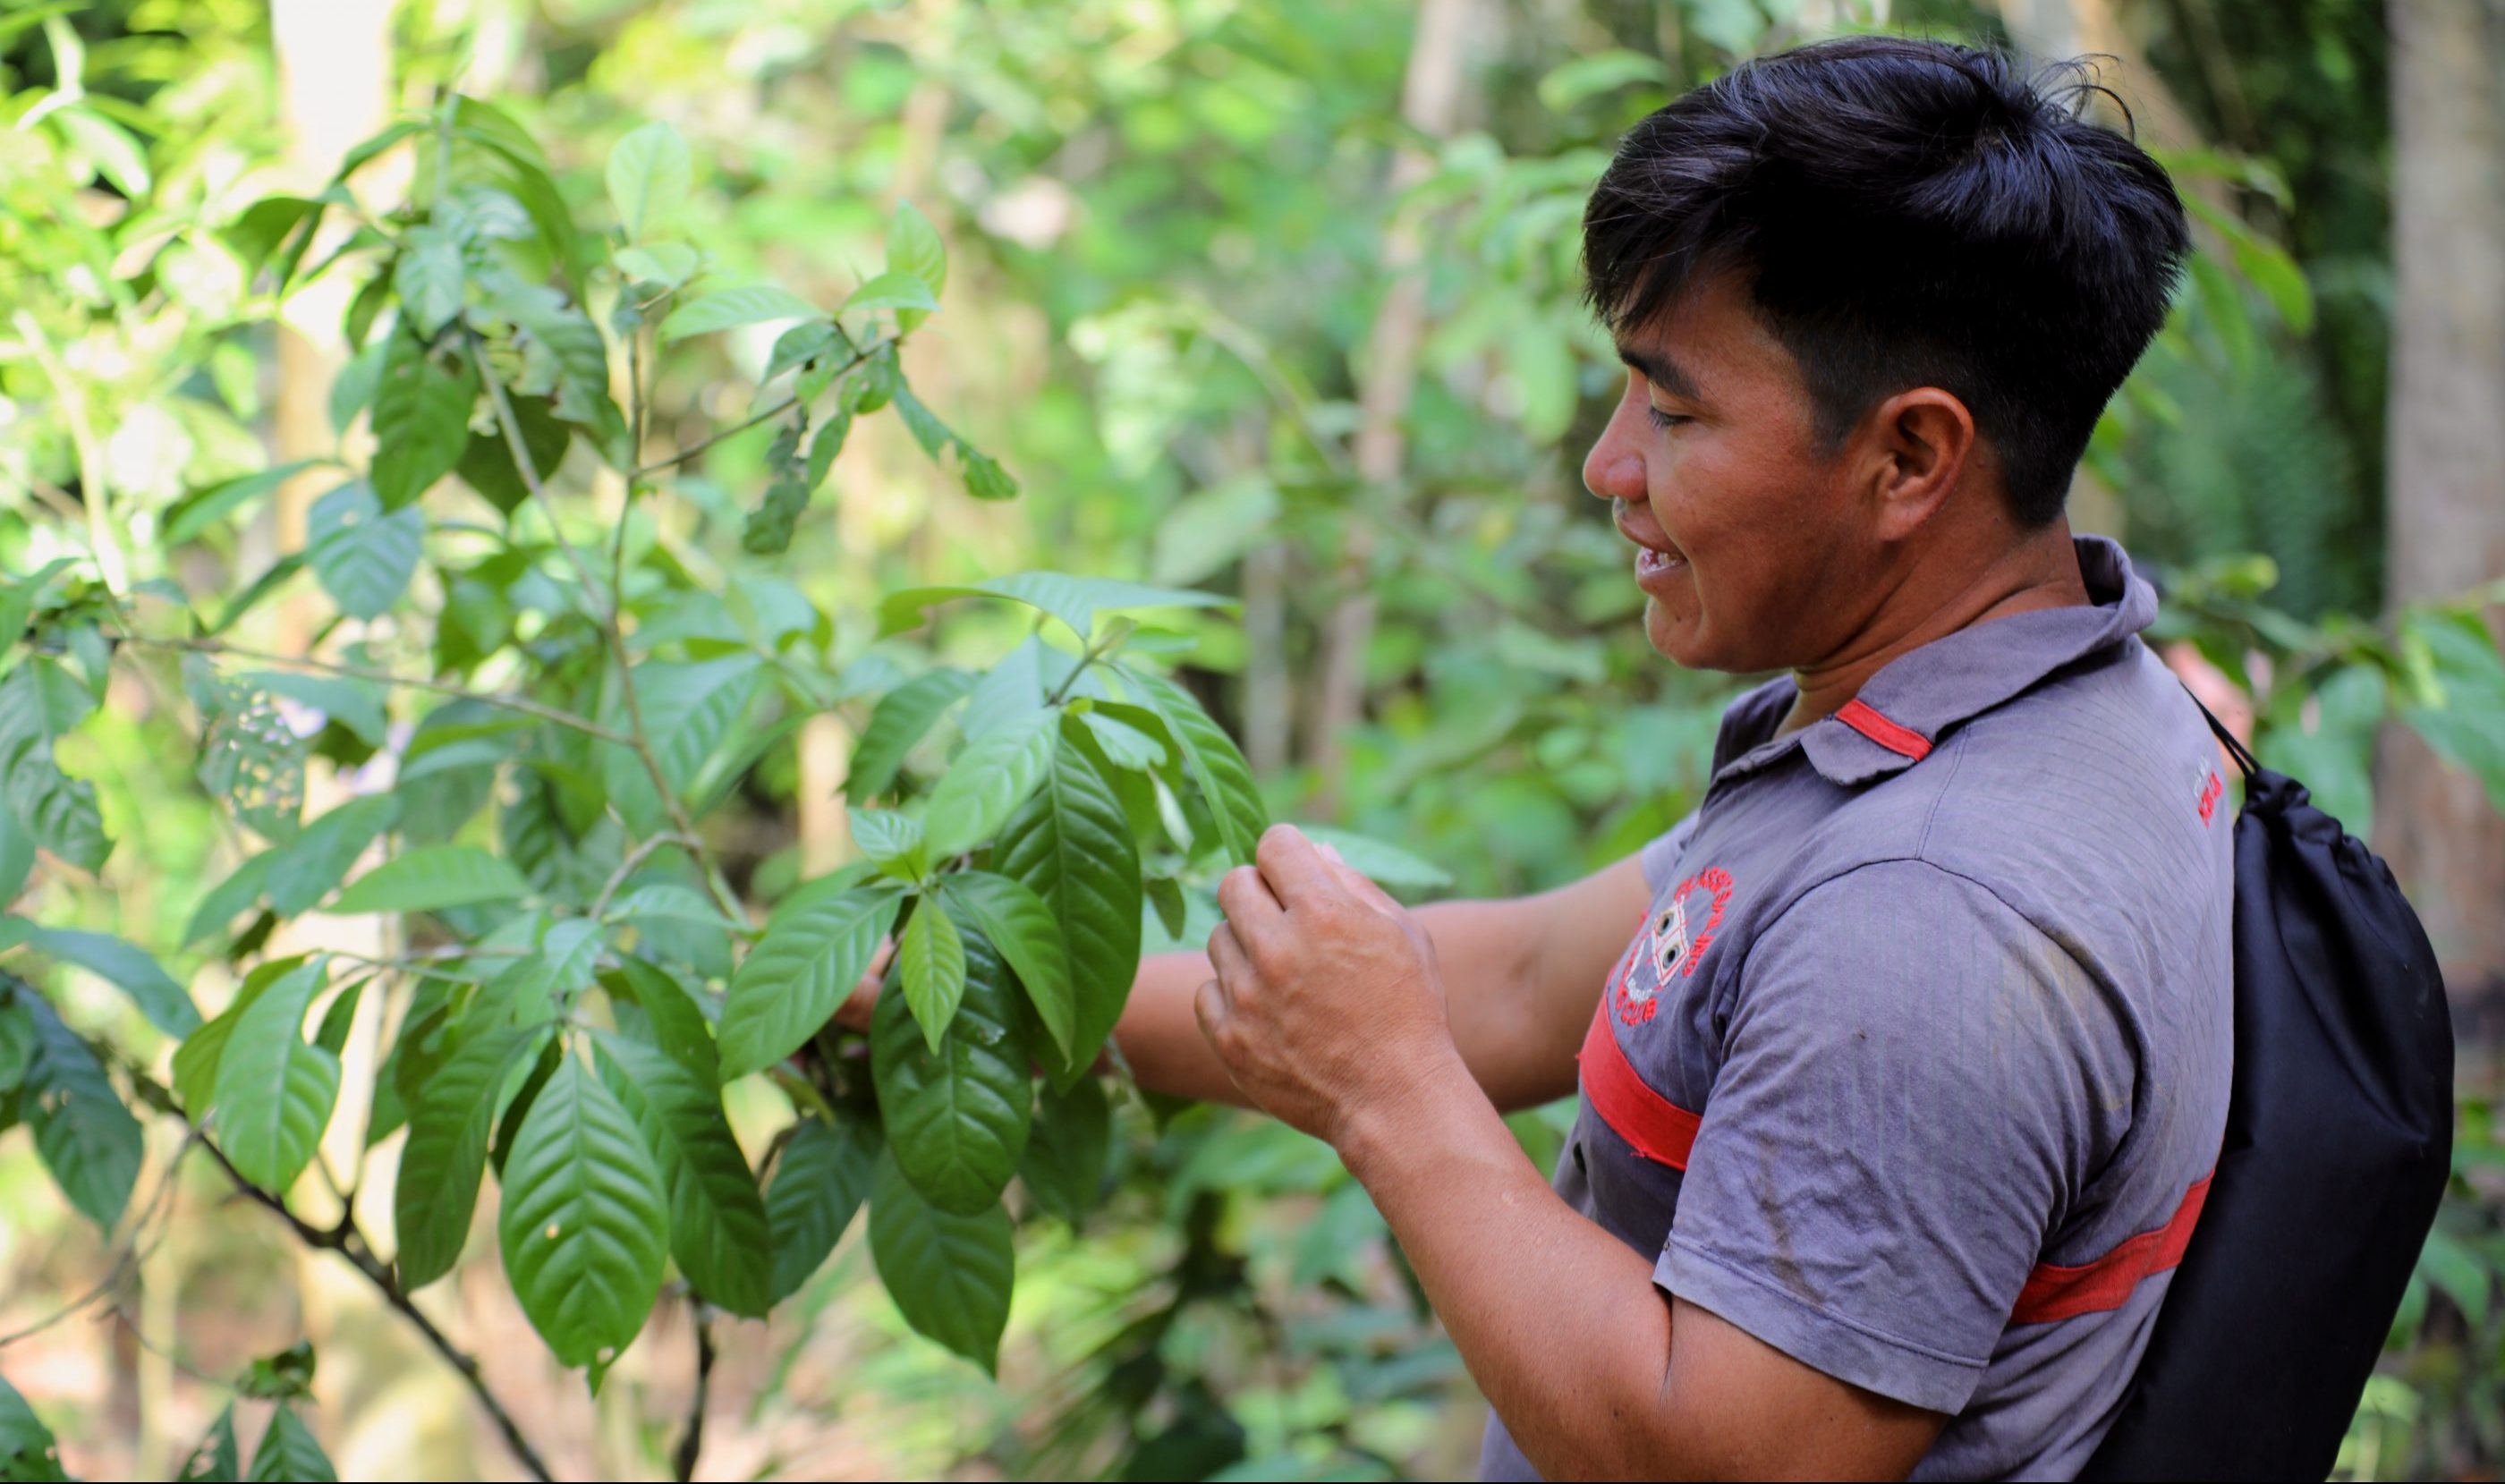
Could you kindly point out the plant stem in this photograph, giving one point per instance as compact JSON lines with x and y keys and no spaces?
{"x":520,"y":703}
{"x":642,"y":851}
{"x":639,"y":738}
{"x":92,"y":493}
{"x":683,"y":1461}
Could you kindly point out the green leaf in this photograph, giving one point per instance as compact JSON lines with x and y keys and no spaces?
{"x":421,"y":420}
{"x":250,"y":757}
{"x":437,"y":1191}
{"x":355,"y":704}
{"x":1064,"y":1168}
{"x":27,"y":1449}
{"x":86,"y":1135}
{"x":931,"y":964}
{"x":1385,"y":864}
{"x":795,"y":978}
{"x":1075,"y":600}
{"x":203,"y":508}
{"x":689,"y":710}
{"x":718,"y":1227}
{"x":671,"y":1017}
{"x":667,"y":263}
{"x":957,"y":1117}
{"x":821,"y":1178}
{"x":950,"y":1275}
{"x":428,"y":277}
{"x":582,"y":357}
{"x":289,"y":1451}
{"x":990,"y":778}
{"x":913,"y":246}
{"x":108,"y":146}
{"x":487,"y":463}
{"x":303,"y":870}
{"x":730,"y":309}
{"x":216,"y":1458}
{"x":585,"y":1225}
{"x":649,"y":174}
{"x":196,"y":1059}
{"x":430,"y":878}
{"x":16,"y":1044}
{"x":1210,"y":759}
{"x":899,"y":719}
{"x":225,"y":900}
{"x":891,"y":839}
{"x":39,"y":704}
{"x":263,"y":226}
{"x":1021,"y":926}
{"x":892,"y":290}
{"x":274,"y":1093}
{"x":804,"y":342}
{"x":124,"y":966}
{"x":1072,"y":846}
{"x":363,"y":557}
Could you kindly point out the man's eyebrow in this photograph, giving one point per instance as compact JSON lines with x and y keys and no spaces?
{"x":1661,"y":370}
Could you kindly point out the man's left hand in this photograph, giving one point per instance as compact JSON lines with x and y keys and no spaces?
{"x":1327,"y":1001}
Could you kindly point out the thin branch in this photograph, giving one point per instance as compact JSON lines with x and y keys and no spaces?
{"x":752,"y":420}
{"x":521,"y":703}
{"x":683,"y":1463}
{"x":132,"y":1256}
{"x":643,"y":852}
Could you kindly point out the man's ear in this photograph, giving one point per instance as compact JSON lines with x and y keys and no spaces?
{"x":1922,"y":442}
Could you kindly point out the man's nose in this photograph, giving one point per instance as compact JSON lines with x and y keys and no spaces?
{"x":1612,"y":471}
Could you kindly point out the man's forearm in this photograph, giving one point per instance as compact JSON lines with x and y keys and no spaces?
{"x":1488,"y":979}
{"x":1559,"y":1321}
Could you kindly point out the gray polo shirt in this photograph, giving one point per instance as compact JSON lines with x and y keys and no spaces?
{"x":1916,"y":1067}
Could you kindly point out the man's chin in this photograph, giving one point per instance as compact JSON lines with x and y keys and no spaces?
{"x":1679,"y":638}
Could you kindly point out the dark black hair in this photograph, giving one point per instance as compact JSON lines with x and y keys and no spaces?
{"x":1907,"y":213}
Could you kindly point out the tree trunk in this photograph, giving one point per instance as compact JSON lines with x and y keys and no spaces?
{"x":2446,"y":505}
{"x":1430,"y":98}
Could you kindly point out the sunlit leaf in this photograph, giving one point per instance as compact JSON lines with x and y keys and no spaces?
{"x":731,"y":309}
{"x":431,"y":878}
{"x":274,"y":1091}
{"x":584,"y":1228}
{"x":899,"y":719}
{"x":793,"y":981}
{"x":989,"y":778}
{"x":1072,"y":846}
{"x":649,"y":173}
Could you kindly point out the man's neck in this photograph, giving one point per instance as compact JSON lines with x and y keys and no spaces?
{"x":2042,"y":572}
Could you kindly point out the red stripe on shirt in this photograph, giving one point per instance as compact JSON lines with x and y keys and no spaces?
{"x":1865,"y":719}
{"x":2092,"y":1287}
{"x":1665,"y":1133}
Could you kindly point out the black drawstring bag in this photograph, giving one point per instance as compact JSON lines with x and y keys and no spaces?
{"x":2339,"y":1143}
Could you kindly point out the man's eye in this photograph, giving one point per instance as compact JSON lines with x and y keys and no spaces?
{"x":1664,"y":420}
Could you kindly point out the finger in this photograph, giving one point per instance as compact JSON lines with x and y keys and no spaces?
{"x":1293,"y":867}
{"x":1226,"y":955}
{"x":1209,"y":1008}
{"x":1366,"y":891}
{"x":1245,"y":898}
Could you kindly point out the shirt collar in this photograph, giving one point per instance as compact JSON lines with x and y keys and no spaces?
{"x":1906,"y":708}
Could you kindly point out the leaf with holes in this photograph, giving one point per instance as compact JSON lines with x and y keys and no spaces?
{"x":1072,"y":846}
{"x":250,"y":757}
{"x":897,"y":721}
{"x":584,"y":1228}
{"x":27,"y":1449}
{"x":799,"y":974}
{"x":821,"y":1178}
{"x":987,"y":781}
{"x":431,"y":878}
{"x":930,"y":969}
{"x":363,"y":557}
{"x":275,"y":1092}
{"x":950,"y":1275}
{"x":957,"y":1117}
{"x":86,"y":1135}
{"x":437,"y":1191}
{"x":718,"y":1228}
{"x":421,"y":414}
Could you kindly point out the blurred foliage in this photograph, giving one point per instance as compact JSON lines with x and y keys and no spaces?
{"x":1165,"y":225}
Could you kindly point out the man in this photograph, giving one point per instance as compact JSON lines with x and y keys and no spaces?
{"x":1900,"y":1104}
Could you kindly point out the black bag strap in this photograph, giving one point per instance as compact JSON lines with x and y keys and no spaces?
{"x":2244,"y":755}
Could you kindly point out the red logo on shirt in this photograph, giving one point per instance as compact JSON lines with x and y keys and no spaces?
{"x":2212,"y":789}
{"x":1674,"y":938}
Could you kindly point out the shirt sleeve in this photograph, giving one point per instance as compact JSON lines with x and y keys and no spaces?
{"x":1907,"y":1102}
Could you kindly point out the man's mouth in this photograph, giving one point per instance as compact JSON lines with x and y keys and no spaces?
{"x":1655,"y":555}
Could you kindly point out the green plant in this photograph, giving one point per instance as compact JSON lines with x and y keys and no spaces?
{"x":529,"y":732}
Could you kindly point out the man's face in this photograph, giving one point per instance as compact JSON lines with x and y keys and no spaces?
{"x":1748,"y":535}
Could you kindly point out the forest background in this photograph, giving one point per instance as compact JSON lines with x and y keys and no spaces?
{"x":1271,"y":298}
